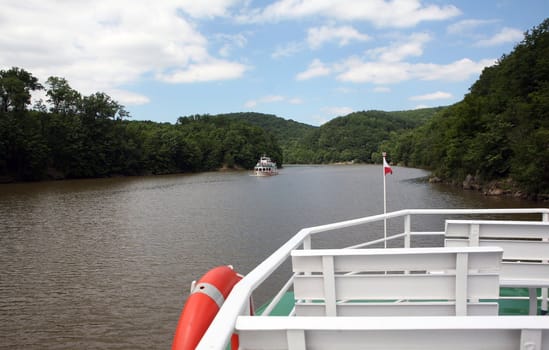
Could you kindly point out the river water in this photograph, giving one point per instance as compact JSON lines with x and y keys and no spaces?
{"x":107,"y":263}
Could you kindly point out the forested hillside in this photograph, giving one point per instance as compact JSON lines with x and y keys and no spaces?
{"x":499,"y":131}
{"x":89,"y":136}
{"x":355,"y":137}
{"x":352,"y":138}
{"x":288,"y":133}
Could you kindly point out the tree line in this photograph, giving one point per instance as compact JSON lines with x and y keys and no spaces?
{"x":76,"y":136}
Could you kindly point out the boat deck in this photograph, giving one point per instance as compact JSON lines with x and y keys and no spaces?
{"x":517,"y":305}
{"x":485,"y":287}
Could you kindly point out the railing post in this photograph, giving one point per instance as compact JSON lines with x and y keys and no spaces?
{"x":545,"y":217}
{"x":307,"y":242}
{"x":407,"y":230}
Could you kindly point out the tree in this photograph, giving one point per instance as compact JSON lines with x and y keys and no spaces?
{"x":23,"y":152}
{"x":62,"y":97}
{"x":16,"y":86}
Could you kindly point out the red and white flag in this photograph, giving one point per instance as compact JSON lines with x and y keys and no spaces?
{"x":386,"y":168}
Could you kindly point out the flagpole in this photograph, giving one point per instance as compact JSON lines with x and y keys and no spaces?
{"x":384,"y":203}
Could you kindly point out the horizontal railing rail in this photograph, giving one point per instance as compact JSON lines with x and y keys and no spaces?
{"x":237,"y":303}
{"x":478,"y":332}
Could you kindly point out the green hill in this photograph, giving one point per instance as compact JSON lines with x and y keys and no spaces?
{"x":286,"y":131}
{"x":355,"y":137}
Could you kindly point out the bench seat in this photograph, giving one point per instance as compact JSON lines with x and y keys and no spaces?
{"x":396,"y":282}
{"x":525,"y":247}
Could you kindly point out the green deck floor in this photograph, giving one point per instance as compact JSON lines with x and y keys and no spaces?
{"x":515,"y":307}
{"x":507,"y":307}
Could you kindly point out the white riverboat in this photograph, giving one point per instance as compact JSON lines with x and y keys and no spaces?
{"x":483,"y":287}
{"x":265,"y":167}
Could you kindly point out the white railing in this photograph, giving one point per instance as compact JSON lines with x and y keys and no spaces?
{"x":434,"y":332}
{"x":219,"y":333}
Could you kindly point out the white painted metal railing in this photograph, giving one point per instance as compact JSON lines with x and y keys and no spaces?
{"x":435,"y":332}
{"x":219,"y":333}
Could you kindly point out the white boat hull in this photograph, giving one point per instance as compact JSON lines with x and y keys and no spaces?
{"x":264,"y":173}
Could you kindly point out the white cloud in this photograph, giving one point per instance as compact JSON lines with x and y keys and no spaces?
{"x":338,"y":111}
{"x":421,"y":106}
{"x":317,"y":36}
{"x":295,"y":101}
{"x":128,"y":98}
{"x":470,"y":28}
{"x":104,"y":45}
{"x":439,"y":95}
{"x":396,"y":13}
{"x":506,"y":35}
{"x":205,"y":71}
{"x":358,"y":71}
{"x":384,"y":68}
{"x":411,"y":46}
{"x":316,"y":69}
{"x":287,"y":50}
{"x":206,"y":9}
{"x":456,"y":71}
{"x":344,"y":90}
{"x":388,"y":65}
{"x":467,"y":26}
{"x":272,"y":99}
{"x":382,"y":89}
{"x":231,"y":42}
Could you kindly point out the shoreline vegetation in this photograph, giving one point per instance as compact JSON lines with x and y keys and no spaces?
{"x":496,"y":140}
{"x":495,"y":188}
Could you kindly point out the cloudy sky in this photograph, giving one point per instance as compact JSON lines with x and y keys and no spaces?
{"x":306,"y":60}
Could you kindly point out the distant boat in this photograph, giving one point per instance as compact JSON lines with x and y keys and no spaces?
{"x":265,"y":167}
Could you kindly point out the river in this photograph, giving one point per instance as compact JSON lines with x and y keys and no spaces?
{"x":107,"y":263}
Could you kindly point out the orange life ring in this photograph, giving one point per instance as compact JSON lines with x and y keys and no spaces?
{"x":203,"y":304}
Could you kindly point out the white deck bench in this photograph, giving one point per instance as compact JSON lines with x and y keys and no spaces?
{"x":396,"y":282}
{"x":525,"y":250}
{"x":369,"y":333}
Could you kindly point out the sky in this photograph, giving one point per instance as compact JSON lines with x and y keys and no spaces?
{"x":305,"y":60}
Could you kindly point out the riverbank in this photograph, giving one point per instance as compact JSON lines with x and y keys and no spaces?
{"x":505,"y":187}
